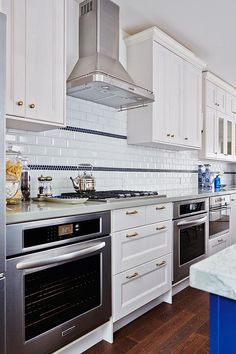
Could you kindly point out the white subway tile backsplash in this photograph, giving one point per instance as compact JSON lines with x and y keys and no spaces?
{"x":69,"y":148}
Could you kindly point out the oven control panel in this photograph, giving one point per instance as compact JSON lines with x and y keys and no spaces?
{"x":55,"y":233}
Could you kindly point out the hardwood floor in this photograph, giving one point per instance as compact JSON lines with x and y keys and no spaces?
{"x":178,"y":328}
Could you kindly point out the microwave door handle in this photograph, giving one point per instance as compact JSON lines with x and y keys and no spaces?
{"x":192,"y":222}
{"x":59,"y":259}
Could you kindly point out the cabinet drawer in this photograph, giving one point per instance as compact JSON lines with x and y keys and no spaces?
{"x":218,"y":244}
{"x":128,"y":218}
{"x":136,"y":287}
{"x":159,"y":212}
{"x":133,"y":247}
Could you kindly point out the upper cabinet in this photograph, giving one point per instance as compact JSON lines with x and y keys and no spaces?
{"x":35,"y":96}
{"x":174,"y":74}
{"x":219,"y":107}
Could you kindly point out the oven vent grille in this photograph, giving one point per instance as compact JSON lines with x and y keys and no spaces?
{"x":86,"y":8}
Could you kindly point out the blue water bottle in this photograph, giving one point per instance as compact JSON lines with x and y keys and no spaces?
{"x":217,"y":182}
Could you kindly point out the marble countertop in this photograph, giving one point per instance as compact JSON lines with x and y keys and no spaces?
{"x":216,"y":274}
{"x":45,"y":210}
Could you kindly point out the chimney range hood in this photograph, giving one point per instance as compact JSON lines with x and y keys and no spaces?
{"x":98,"y":76}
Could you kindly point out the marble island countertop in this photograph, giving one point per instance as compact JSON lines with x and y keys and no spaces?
{"x":216,"y":274}
{"x":45,"y":210}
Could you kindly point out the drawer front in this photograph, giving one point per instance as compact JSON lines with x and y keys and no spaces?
{"x":128,"y":218}
{"x":218,"y":244}
{"x":133,"y":247}
{"x":159,"y":212}
{"x":136,"y":287}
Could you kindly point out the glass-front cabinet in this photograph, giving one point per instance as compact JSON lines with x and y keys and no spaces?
{"x":224,"y":136}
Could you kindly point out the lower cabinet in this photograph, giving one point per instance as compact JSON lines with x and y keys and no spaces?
{"x":218,"y":243}
{"x":137,"y":286}
{"x":141,"y":256}
{"x":233,"y":219}
{"x":133,"y":247}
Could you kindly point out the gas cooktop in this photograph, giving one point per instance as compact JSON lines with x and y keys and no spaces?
{"x":112,"y":195}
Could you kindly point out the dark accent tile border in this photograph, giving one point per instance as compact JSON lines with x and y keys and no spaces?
{"x":113,"y":169}
{"x":94,"y":132}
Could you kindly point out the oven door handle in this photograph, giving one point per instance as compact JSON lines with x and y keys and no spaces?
{"x":192,"y":222}
{"x":59,"y":259}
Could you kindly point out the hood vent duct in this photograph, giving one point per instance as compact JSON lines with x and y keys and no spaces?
{"x":98,"y":76}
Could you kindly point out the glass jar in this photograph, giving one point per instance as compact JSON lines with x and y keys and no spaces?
{"x":13,"y":176}
{"x":25,"y":180}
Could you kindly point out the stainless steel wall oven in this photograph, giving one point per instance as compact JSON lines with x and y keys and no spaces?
{"x":190,"y":235}
{"x":59,"y":281}
{"x":219,"y":215}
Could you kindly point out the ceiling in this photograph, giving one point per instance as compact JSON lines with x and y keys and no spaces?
{"x":208,"y":28}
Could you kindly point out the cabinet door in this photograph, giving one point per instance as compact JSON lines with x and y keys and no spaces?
{"x":221,"y":99}
{"x":233,"y":219}
{"x":191,"y":125}
{"x":168,"y":69}
{"x":175,"y":90}
{"x":229,"y":138}
{"x":218,"y":244}
{"x":138,"y":286}
{"x":161,"y":107}
{"x":211,"y":133}
{"x":15,"y":52}
{"x":231,"y":105}
{"x":45,"y":64}
{"x":221,"y":136}
{"x":211,"y":94}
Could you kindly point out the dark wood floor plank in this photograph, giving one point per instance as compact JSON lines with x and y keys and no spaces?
{"x":191,"y":344}
{"x":180,"y":328}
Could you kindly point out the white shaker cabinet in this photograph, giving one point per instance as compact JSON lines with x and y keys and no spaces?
{"x":215,"y":97}
{"x":141,"y":256}
{"x":35,"y":97}
{"x":173,"y":73}
{"x":192,"y":106}
{"x":219,"y":120}
{"x":231,"y":105}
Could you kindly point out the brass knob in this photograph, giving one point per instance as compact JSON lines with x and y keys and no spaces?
{"x":185,"y":138}
{"x":172,"y":135}
{"x":167,"y":134}
{"x":20,"y":103}
{"x":32,"y":105}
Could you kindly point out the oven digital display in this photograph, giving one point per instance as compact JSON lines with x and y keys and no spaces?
{"x":64,"y":230}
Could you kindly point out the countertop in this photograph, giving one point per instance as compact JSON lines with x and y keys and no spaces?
{"x":45,"y":210}
{"x":216,"y":274}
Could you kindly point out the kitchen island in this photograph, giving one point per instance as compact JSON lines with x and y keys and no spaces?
{"x":217,"y":275}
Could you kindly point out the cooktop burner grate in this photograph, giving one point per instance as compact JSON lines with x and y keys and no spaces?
{"x":112,"y":195}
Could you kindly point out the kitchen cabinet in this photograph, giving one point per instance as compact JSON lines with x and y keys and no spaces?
{"x":218,"y":243}
{"x":233,"y":219}
{"x":35,"y":95}
{"x":215,"y":97}
{"x":219,"y":120}
{"x":174,"y":74}
{"x":231,"y":105}
{"x":141,"y":256}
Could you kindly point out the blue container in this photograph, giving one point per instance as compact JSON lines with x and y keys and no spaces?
{"x":217,"y":182}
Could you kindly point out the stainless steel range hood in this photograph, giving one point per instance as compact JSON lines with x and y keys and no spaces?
{"x":98,"y":76}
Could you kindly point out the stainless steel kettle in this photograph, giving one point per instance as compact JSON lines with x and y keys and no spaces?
{"x":86,"y":181}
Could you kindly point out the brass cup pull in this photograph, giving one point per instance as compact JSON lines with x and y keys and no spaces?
{"x":132,"y":212}
{"x":221,"y":240}
{"x":20,"y":103}
{"x":160,"y":228}
{"x":32,"y":105}
{"x":160,"y":208}
{"x":132,"y":276}
{"x":161,"y":264}
{"x":172,"y":135}
{"x":167,"y":134}
{"x":132,"y":235}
